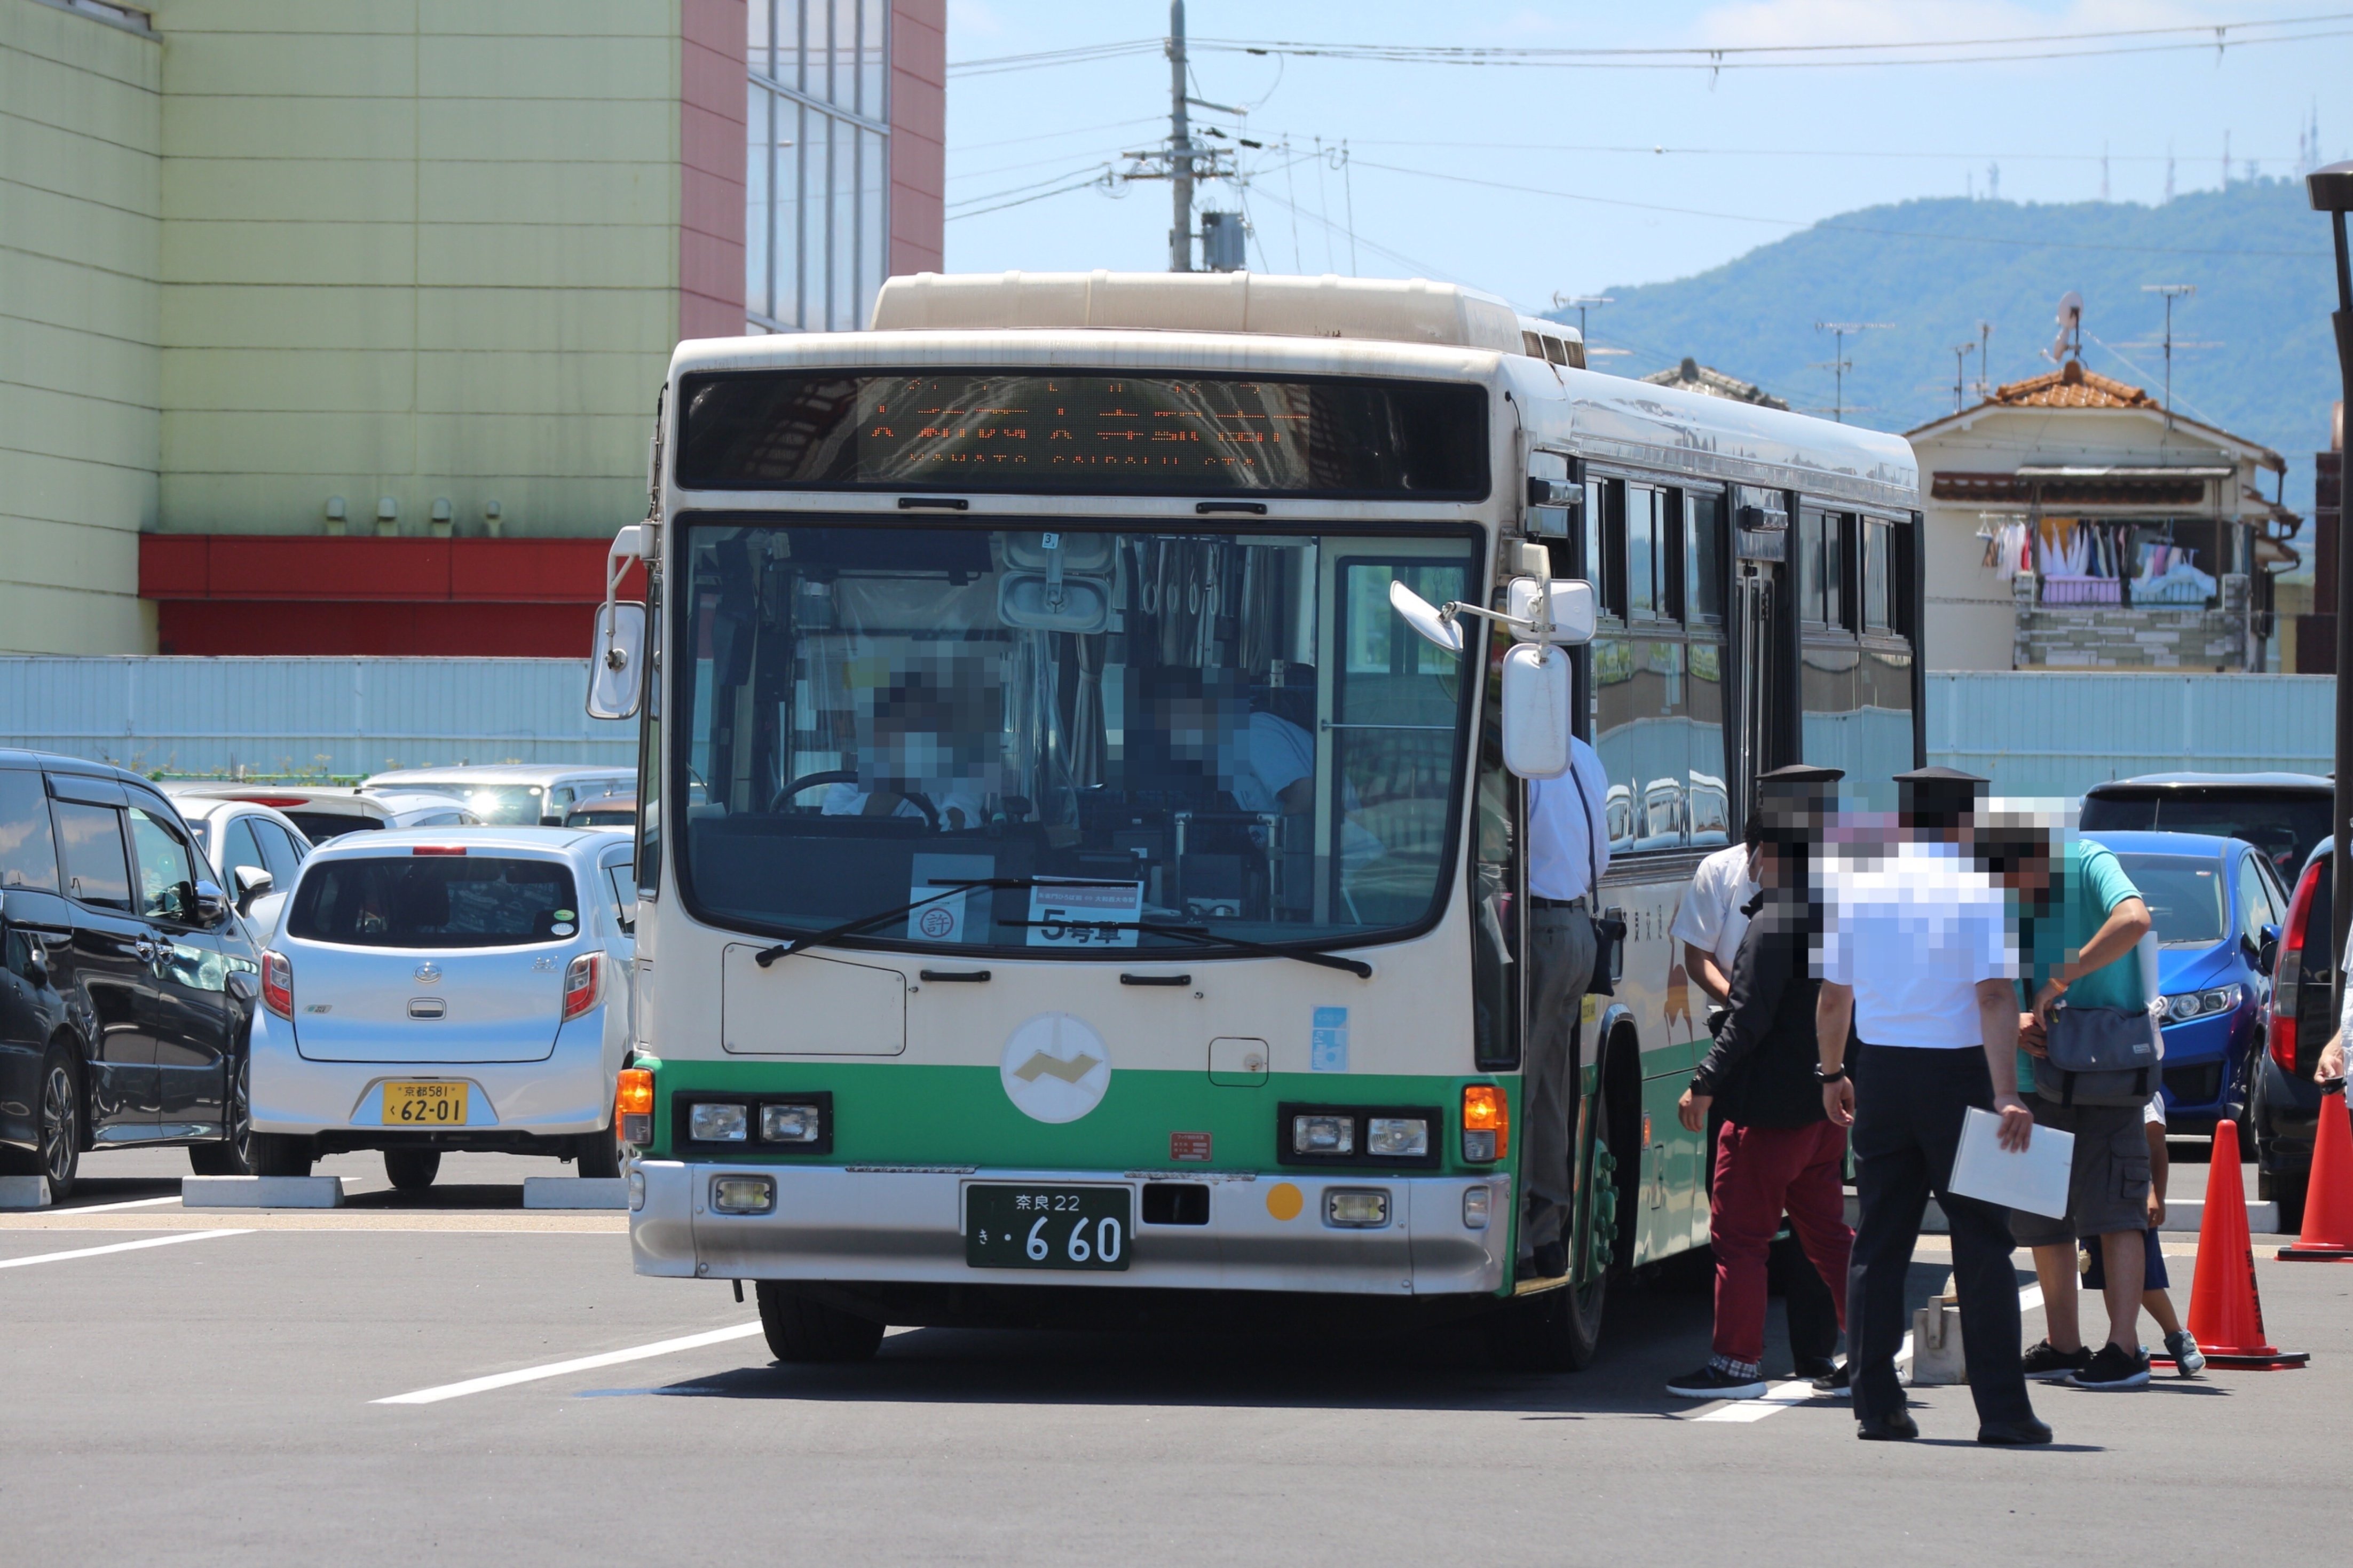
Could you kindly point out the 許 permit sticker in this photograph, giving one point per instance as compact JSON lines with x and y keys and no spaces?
{"x":1327,"y":1040}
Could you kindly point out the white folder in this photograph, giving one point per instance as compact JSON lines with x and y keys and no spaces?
{"x":2034,"y":1179}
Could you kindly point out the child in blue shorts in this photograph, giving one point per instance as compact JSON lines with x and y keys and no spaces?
{"x":2187,"y":1358}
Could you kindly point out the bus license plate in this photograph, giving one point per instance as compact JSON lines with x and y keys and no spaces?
{"x":1046,"y":1227}
{"x":424,"y":1105}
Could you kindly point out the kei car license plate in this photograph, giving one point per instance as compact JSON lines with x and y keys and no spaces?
{"x":1046,"y":1226}
{"x":424,"y":1105}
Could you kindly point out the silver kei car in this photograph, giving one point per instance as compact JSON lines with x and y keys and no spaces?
{"x":429,"y":990}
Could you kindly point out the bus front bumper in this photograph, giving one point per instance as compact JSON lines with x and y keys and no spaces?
{"x":897,"y":1224}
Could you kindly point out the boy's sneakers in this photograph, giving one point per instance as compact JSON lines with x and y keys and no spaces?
{"x":1710,"y":1383}
{"x":1837,"y":1382}
{"x":2054,"y":1365}
{"x":2114,"y":1370}
{"x":2188,"y":1360}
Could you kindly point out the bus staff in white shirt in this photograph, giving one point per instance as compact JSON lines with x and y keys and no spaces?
{"x":1919,"y":966}
{"x":1568,"y":849}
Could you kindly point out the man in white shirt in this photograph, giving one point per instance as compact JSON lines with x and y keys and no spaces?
{"x":1568,"y":849}
{"x":1920,"y":967}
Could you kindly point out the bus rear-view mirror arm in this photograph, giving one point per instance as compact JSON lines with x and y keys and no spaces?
{"x":1537,"y":679}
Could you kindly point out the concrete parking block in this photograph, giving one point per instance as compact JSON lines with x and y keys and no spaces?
{"x":261,"y":1192}
{"x":574,"y":1193}
{"x":24,"y":1192}
{"x":2190,"y":1214}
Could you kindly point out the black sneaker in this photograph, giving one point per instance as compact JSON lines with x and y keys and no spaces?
{"x":1837,"y":1382}
{"x":2054,"y":1365}
{"x":1708,"y":1382}
{"x":1810,"y":1367}
{"x":2113,"y":1370}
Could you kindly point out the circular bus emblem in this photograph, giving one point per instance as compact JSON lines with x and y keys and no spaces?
{"x":1056,"y":1067}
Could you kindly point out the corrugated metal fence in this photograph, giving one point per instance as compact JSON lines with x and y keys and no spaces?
{"x":2058,"y":733}
{"x":2032,"y":733}
{"x":292,"y":717}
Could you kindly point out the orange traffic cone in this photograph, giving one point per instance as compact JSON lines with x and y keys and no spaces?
{"x":2327,"y":1235}
{"x":2226,"y":1316}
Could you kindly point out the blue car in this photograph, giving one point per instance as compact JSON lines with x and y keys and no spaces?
{"x":2218,"y":907}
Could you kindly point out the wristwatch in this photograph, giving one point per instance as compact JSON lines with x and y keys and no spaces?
{"x":1827,"y":1076}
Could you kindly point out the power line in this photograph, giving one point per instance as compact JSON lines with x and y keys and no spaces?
{"x":2187,"y":37}
{"x":1662,"y":150}
{"x":1052,"y":135}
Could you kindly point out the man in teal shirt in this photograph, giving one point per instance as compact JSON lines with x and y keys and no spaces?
{"x":2080,"y":924}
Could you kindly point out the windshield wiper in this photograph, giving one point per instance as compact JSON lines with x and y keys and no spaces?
{"x":952,"y":887}
{"x":1355,"y":966}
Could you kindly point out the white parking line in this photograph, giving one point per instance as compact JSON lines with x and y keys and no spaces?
{"x":118,"y":1246}
{"x":109,"y":1208}
{"x":1782,"y":1395}
{"x":578,"y":1363}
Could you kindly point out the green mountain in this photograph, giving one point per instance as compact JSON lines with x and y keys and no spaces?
{"x":1934,"y":268}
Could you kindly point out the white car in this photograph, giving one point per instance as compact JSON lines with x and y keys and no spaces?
{"x":510,"y":793}
{"x":454,"y":990}
{"x":325,"y":812}
{"x":253,"y":847}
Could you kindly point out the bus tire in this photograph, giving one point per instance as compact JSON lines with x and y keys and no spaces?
{"x":804,"y":1330}
{"x":1560,"y":1330}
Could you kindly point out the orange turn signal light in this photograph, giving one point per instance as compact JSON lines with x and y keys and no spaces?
{"x":634,"y":1095}
{"x":1486,"y":1122}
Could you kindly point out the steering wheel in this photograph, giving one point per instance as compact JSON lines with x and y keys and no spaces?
{"x":842,"y":775}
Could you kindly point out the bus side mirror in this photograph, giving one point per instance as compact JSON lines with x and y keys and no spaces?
{"x":617,"y":681}
{"x":1573,"y":619}
{"x":1536,"y":686}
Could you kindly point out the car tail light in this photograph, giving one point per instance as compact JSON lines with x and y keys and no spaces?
{"x":633,"y":1106}
{"x":1486,"y":1123}
{"x":277,"y":985}
{"x":580,"y":984}
{"x":438,"y":850}
{"x":2287,"y":969}
{"x":277,"y":801}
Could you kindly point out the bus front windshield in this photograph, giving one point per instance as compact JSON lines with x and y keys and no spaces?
{"x":1159,"y":739}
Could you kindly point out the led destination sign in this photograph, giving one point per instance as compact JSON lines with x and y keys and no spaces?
{"x":1111,"y":434}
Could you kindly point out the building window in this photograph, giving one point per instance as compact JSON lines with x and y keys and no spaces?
{"x":818,"y":169}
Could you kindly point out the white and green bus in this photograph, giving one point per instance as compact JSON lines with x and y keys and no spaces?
{"x":1071,"y":889}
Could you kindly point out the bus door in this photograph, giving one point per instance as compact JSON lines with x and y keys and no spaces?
{"x":1762,"y":648}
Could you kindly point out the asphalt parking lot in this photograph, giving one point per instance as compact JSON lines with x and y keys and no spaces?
{"x":216,"y":1395}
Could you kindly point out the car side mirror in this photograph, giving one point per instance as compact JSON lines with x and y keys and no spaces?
{"x":2266,"y":955}
{"x":251,"y":881}
{"x":263,"y":915}
{"x":212,"y":904}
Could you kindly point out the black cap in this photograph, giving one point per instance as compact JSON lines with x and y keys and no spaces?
{"x":1792,"y":801}
{"x":1937,"y":798}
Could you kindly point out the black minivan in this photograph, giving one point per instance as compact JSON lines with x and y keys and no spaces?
{"x":128,"y":980}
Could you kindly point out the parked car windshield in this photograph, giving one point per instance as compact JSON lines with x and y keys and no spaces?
{"x":503,"y":804}
{"x":2185,"y":896}
{"x":2284,"y":827}
{"x":436,"y":901}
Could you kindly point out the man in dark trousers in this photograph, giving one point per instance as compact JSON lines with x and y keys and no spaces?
{"x":1778,"y":1150}
{"x":1919,"y":966}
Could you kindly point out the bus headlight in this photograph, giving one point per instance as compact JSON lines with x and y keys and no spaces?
{"x":1323,"y":1134}
{"x":789,"y":1125}
{"x":1406,"y":1137}
{"x":717,"y":1123}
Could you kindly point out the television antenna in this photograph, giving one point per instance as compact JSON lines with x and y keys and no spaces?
{"x":1839,"y":364}
{"x":2171,"y":291}
{"x":1960,"y":352}
{"x":1563,"y":301}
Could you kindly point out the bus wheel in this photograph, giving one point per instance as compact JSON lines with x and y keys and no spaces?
{"x":1560,"y":1330}
{"x":802,"y":1329}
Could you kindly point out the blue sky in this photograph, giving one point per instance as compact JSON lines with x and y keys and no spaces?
{"x":1746,"y":155}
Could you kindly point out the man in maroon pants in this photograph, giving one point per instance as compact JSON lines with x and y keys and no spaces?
{"x":1777,"y":1152}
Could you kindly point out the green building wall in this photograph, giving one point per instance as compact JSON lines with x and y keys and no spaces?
{"x":80,"y":206}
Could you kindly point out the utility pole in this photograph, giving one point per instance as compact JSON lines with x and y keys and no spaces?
{"x":2331,"y":190}
{"x":1960,"y":352}
{"x":2171,"y":291}
{"x":1181,"y":147}
{"x":1563,"y":301}
{"x":1839,"y":364}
